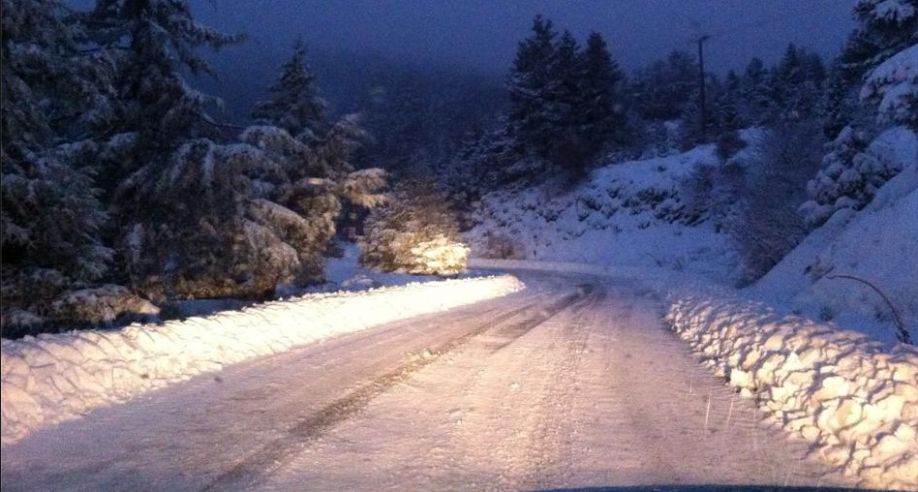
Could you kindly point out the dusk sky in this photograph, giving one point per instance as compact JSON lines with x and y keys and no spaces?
{"x":481,"y":35}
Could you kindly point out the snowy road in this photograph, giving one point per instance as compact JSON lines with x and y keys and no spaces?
{"x":573,"y":382}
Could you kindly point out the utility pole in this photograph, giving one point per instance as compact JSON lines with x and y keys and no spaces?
{"x":704,"y":116}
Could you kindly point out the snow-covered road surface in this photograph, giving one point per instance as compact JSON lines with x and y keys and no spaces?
{"x":573,"y":382}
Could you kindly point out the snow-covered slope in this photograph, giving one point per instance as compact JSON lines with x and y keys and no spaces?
{"x":878,"y":244}
{"x":625,"y":214}
{"x":53,"y":378}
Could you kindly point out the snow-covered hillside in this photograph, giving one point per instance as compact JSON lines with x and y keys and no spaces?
{"x":878,"y":244}
{"x":626,"y":214}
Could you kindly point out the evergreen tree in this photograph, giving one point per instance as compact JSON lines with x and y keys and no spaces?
{"x":601,"y":117}
{"x":152,"y":42}
{"x":295,"y":104}
{"x":663,"y":90}
{"x":726,"y":111}
{"x":886,"y":47}
{"x":851,"y":174}
{"x":529,"y":85}
{"x":755,"y":92}
{"x":797,"y":84}
{"x":885,"y":27}
{"x":837,"y":106}
{"x":566,"y":144}
{"x":50,"y":215}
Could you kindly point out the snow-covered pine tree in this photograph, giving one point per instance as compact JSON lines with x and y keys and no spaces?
{"x":168,"y":226}
{"x":838,"y":104}
{"x":529,"y":84}
{"x":153,"y":43}
{"x":757,"y":103}
{"x":52,"y":95}
{"x":295,"y":103}
{"x":600,"y":116}
{"x":797,"y":81}
{"x":726,"y":116}
{"x":885,"y":27}
{"x":883,"y":50}
{"x":662,"y":90}
{"x":852,"y":172}
{"x":264,"y":212}
{"x":566,"y":145}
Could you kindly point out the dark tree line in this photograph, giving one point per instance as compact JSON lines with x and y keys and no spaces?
{"x":564,"y":99}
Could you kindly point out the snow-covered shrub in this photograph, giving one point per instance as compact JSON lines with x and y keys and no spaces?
{"x":853,"y":171}
{"x":712,"y":192}
{"x":415,"y":232}
{"x":768,"y":224}
{"x":729,"y":143}
{"x":101,"y":304}
{"x":500,"y":246}
{"x":440,"y":255}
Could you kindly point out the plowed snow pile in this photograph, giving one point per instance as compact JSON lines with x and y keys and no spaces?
{"x":855,"y":398}
{"x":54,"y":378}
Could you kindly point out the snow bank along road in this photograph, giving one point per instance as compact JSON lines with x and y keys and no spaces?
{"x":573,"y":382}
{"x":59,"y":377}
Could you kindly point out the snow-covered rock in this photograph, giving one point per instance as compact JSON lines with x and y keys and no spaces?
{"x":53,"y":378}
{"x":856,"y":399}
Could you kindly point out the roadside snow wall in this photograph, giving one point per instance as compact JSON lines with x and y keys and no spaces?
{"x":856,"y":399}
{"x":53,"y":378}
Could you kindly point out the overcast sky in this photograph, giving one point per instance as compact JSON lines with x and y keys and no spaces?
{"x":481,"y":35}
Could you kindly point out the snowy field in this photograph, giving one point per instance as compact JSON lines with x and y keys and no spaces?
{"x":58,"y":377}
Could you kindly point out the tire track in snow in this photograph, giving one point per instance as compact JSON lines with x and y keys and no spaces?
{"x":252,"y":470}
{"x":600,"y":395}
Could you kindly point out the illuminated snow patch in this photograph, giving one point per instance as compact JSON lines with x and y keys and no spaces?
{"x":53,"y":378}
{"x":856,"y":399}
{"x":440,"y":256}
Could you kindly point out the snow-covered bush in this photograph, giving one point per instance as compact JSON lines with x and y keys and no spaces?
{"x":768,"y":224}
{"x":497,"y":245}
{"x":713,"y":192}
{"x":415,"y":232}
{"x":853,"y":171}
{"x":101,"y":304}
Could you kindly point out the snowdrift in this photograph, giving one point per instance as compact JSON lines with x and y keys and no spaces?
{"x":626,"y":214}
{"x":53,"y":378}
{"x":878,"y":244}
{"x":854,"y":398}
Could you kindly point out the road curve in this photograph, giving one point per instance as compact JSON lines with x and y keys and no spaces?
{"x":572,"y":383}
